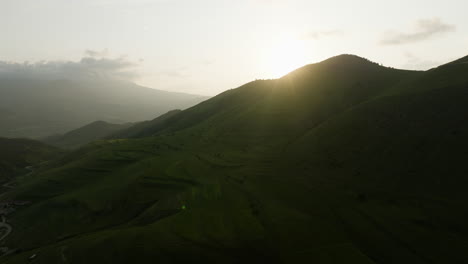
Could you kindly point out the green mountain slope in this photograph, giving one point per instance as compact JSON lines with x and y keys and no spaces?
{"x":336,"y":162}
{"x":145,"y":128}
{"x":86,"y":134}
{"x":403,"y":157}
{"x":17,"y":154}
{"x":298,"y":101}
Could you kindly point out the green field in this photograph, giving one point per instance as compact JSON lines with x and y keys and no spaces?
{"x":18,"y":154}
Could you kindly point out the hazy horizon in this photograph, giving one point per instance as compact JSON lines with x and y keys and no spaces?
{"x":211,"y":46}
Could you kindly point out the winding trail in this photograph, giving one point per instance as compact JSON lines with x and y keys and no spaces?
{"x":7,"y":226}
{"x":7,"y":185}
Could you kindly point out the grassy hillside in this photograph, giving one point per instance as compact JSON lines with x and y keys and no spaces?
{"x":343,"y":161}
{"x":86,"y":134}
{"x":17,"y":154}
{"x":145,"y":128}
{"x":40,"y":108}
{"x":299,"y":101}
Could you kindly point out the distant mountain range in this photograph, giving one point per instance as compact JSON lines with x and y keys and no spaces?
{"x":40,"y":108}
{"x":343,"y":161}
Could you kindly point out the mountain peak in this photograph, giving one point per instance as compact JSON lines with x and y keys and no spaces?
{"x":348,"y":59}
{"x":98,"y":123}
{"x":344,"y":62}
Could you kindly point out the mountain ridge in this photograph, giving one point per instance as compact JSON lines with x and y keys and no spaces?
{"x":84,"y":135}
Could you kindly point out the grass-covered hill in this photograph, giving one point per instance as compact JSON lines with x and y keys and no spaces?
{"x":86,"y":134}
{"x":100,"y":130}
{"x":343,"y":161}
{"x":17,"y":154}
{"x":144,"y":128}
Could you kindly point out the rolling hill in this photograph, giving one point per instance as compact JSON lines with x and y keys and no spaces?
{"x":40,"y":108}
{"x":101,"y":130}
{"x":343,"y":161}
{"x":84,"y":135}
{"x":17,"y":154}
{"x":142,"y":129}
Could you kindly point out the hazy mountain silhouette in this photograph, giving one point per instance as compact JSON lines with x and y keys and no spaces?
{"x":84,"y":135}
{"x":145,"y":128}
{"x":343,"y":161}
{"x":38,"y":108}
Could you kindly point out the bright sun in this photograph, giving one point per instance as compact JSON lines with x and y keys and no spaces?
{"x":284,"y":56}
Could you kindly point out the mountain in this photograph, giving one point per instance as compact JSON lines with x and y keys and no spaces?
{"x":18,"y":154}
{"x":145,"y":128}
{"x":84,"y":135}
{"x":40,"y":108}
{"x":343,"y":161}
{"x":101,"y":130}
{"x":301,"y":99}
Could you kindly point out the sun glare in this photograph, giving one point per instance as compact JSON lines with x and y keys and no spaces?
{"x":284,"y":56}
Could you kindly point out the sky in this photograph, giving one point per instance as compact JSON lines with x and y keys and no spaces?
{"x":208,"y":46}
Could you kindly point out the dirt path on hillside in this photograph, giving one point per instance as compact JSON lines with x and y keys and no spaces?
{"x":6,"y":226}
{"x":7,"y":207}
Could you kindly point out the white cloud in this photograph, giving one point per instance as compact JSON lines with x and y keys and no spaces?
{"x":94,"y":65}
{"x":322,"y":34}
{"x":424,"y":29}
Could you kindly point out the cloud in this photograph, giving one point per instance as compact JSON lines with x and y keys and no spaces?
{"x":95,"y":53}
{"x":93,"y":66}
{"x":322,"y":34}
{"x":424,"y":29}
{"x":179,"y":73}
